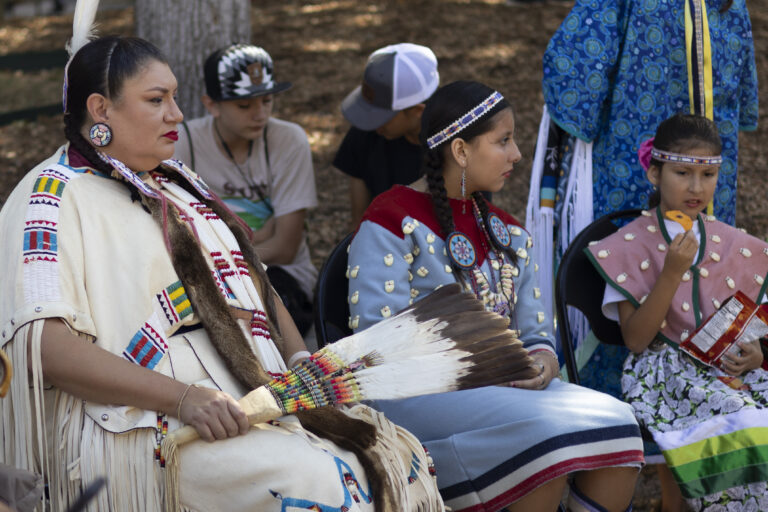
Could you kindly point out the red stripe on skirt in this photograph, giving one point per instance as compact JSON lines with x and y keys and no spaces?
{"x":552,"y":472}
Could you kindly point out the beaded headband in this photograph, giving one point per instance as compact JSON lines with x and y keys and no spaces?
{"x":685,"y":159}
{"x":467,"y":119}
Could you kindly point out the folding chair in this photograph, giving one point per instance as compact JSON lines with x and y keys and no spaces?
{"x":579,"y":285}
{"x":331,"y":292}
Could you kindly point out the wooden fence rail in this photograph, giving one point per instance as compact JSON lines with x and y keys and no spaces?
{"x":32,"y":61}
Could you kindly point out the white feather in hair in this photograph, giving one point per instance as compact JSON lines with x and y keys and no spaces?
{"x":82,"y":25}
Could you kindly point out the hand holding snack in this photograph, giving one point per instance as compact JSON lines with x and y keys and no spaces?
{"x":680,"y":255}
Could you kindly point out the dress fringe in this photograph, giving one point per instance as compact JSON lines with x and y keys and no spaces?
{"x":60,"y":455}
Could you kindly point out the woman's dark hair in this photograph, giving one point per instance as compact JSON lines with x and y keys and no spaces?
{"x":681,"y":133}
{"x":726,"y":5}
{"x":448,"y":104}
{"x":101,"y":66}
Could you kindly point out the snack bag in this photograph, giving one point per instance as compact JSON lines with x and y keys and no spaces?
{"x":739,"y":318}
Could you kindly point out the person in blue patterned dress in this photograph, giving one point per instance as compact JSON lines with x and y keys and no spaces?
{"x":615,"y":69}
{"x":508,"y":446}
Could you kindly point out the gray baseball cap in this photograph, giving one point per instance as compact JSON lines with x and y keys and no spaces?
{"x":396,"y":77}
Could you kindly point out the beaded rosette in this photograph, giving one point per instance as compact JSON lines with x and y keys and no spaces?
{"x":497,"y":294}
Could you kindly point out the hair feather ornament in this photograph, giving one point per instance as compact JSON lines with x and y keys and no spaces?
{"x":83,"y":30}
{"x":444,"y":342}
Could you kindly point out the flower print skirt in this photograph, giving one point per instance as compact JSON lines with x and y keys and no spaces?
{"x":714,"y":436}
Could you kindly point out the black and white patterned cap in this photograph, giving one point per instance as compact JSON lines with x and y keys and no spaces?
{"x":240,"y":71}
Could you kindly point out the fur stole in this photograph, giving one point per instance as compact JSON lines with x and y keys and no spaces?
{"x":215,"y":315}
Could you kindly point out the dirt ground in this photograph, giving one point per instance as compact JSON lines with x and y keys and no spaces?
{"x":322,"y":47}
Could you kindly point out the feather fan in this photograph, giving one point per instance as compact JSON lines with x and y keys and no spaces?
{"x":444,"y":342}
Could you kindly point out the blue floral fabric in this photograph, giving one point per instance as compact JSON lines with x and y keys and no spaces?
{"x":616,"y":68}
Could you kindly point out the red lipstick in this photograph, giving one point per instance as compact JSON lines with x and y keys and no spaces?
{"x":173,"y":135}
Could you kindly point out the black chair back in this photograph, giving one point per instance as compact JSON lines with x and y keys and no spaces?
{"x":331,"y":293}
{"x":578,"y":284}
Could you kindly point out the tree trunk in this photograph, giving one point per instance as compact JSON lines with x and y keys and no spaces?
{"x":187,"y":31}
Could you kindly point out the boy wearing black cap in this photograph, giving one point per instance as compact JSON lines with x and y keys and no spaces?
{"x":382,"y":147}
{"x":259,"y":165}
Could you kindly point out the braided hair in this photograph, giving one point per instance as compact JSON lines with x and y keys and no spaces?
{"x":449,"y":103}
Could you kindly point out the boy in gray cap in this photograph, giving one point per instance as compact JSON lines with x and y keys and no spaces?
{"x":259,"y":165}
{"x":382,"y":147}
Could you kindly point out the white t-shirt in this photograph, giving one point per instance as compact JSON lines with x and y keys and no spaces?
{"x":258,"y":190}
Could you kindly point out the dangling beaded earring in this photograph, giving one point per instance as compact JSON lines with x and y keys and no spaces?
{"x":463,"y":190}
{"x":100,"y":135}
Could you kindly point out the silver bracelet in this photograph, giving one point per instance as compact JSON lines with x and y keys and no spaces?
{"x":181,"y":400}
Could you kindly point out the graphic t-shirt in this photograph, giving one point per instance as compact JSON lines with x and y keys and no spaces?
{"x":259,"y":189}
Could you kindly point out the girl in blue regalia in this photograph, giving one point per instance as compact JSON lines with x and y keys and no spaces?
{"x":511,"y":446}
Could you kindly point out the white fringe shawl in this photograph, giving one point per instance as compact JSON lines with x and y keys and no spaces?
{"x":46,"y":431}
{"x":577,"y":214}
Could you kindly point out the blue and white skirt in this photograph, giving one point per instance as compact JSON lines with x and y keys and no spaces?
{"x":492,"y":446}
